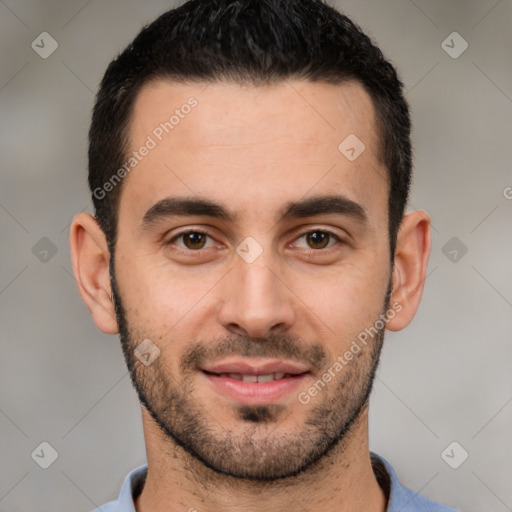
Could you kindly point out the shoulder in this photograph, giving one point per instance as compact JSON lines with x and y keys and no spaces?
{"x":111,"y":506}
{"x":410,"y":501}
{"x":400,"y":497}
{"x":131,"y":488}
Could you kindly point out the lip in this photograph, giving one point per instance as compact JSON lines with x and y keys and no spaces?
{"x":256,"y":367}
{"x":255,"y":393}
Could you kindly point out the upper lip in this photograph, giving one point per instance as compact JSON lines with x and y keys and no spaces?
{"x":256,"y":367}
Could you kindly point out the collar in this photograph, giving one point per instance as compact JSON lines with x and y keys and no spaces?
{"x":400,"y":498}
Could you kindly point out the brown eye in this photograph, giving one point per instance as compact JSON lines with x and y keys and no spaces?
{"x":190,"y":240}
{"x":194,"y":240}
{"x":318,"y":239}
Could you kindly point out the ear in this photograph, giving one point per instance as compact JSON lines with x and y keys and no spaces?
{"x":90,"y":259}
{"x":410,"y":267}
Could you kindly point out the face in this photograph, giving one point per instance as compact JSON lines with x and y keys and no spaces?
{"x":251,"y":247}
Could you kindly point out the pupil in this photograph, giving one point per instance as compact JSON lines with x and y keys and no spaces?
{"x":318,"y":239}
{"x":195,"y":239}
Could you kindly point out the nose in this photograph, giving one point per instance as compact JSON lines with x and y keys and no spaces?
{"x":256,"y":301}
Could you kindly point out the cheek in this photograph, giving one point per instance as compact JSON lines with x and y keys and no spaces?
{"x":160,"y":298}
{"x":347,"y":300}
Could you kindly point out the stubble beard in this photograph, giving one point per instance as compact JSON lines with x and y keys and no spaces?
{"x":256,"y":448}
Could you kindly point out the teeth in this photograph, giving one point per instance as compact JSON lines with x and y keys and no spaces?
{"x":254,"y":378}
{"x":266,"y":378}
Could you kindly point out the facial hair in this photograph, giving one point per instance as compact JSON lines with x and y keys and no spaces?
{"x":256,"y":449}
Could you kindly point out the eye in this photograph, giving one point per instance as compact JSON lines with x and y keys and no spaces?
{"x":319,"y":239}
{"x":193,"y":240}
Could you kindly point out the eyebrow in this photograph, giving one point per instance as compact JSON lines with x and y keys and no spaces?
{"x":171,"y":207}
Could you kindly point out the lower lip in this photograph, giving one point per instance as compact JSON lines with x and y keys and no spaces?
{"x":256,"y":392}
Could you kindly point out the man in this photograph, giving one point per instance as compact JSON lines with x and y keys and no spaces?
{"x":250,"y":163}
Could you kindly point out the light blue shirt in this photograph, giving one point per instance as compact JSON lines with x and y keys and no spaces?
{"x":401,"y":499}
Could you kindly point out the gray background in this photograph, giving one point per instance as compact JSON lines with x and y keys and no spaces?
{"x":447,"y":377}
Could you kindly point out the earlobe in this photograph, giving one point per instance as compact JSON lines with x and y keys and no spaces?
{"x":90,"y":259}
{"x":410,"y":267}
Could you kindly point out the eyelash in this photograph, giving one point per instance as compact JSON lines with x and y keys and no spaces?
{"x":308,"y":251}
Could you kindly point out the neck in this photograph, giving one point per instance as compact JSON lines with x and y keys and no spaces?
{"x":342,"y":480}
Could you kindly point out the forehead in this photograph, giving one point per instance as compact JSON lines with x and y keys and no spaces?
{"x":254,"y":143}
{"x":227,"y":109}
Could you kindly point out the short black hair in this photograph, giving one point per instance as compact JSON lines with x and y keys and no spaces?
{"x":247,"y":42}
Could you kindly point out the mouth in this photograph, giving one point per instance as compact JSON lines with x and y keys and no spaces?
{"x":269,"y":377}
{"x":255,"y":385}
